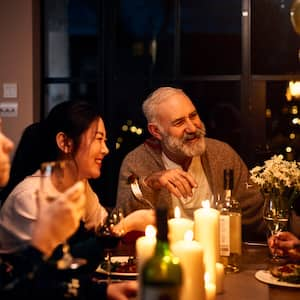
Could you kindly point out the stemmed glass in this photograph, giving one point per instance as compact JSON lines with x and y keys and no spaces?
{"x":110,"y":233}
{"x":276,"y":216}
{"x":54,"y":181}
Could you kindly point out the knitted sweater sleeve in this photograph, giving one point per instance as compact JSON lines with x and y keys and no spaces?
{"x":140,"y":162}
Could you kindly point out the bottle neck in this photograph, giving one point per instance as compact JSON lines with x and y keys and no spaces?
{"x":228,"y":182}
{"x":162,"y":245}
{"x":162,"y":248}
{"x":228,"y":194}
{"x":230,"y":202}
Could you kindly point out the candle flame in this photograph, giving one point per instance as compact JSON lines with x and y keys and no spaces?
{"x":294,"y":87}
{"x":150,"y":231}
{"x":177,"y":212}
{"x":189,"y":235}
{"x":205,"y":204}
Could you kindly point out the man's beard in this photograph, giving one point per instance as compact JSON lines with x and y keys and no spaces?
{"x":179,"y":146}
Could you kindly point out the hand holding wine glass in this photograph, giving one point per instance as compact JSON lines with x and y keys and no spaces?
{"x":55,"y":180}
{"x":67,"y":210}
{"x":111,"y":233}
{"x":276,"y":217}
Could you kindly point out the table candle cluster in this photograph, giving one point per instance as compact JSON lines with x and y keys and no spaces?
{"x":196,"y":244}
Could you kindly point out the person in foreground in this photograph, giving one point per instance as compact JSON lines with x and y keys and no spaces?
{"x":46,"y":234}
{"x":180,"y":165}
{"x":68,"y":208}
{"x":24,"y":266}
{"x":285,"y":244}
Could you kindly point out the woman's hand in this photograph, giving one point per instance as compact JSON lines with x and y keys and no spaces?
{"x":59,"y":219}
{"x":139,"y":219}
{"x":122,"y":291}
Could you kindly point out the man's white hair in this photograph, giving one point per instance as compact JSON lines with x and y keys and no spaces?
{"x":154,"y":99}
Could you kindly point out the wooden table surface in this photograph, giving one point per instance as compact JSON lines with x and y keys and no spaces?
{"x":244,"y":286}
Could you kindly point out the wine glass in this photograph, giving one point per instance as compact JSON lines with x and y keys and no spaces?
{"x":276,"y":216}
{"x":54,"y":181}
{"x":110,"y":233}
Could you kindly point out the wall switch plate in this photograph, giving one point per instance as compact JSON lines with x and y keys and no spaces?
{"x":10,"y":90}
{"x":8,"y":109}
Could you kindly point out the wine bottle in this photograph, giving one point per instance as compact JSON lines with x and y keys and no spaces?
{"x":230,"y":226}
{"x":161,"y":275}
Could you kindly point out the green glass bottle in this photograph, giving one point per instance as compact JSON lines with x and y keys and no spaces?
{"x":161,"y":275}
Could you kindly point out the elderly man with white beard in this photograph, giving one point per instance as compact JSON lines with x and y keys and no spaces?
{"x":179,"y":165}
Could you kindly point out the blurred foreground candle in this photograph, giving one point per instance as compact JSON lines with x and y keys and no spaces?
{"x":178,"y":226}
{"x":144,"y":248}
{"x":145,"y":245}
{"x":190,"y":254}
{"x":207,"y":233}
{"x":210,"y":288}
{"x":220,"y":278}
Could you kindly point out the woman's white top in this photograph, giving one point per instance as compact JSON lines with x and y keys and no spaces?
{"x":20,"y":210}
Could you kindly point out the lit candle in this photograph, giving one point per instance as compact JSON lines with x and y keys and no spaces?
{"x":207,"y":233}
{"x":220,"y":278}
{"x":190,"y":254}
{"x":178,"y":226}
{"x":210,"y":288}
{"x":145,"y":245}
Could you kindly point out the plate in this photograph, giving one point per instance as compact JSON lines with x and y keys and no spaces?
{"x":266,"y":277}
{"x":119,"y":274}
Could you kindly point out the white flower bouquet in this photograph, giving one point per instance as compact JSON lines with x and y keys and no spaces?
{"x":278,"y":176}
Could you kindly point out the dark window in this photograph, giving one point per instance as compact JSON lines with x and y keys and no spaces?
{"x":210,"y":42}
{"x":275,"y":45}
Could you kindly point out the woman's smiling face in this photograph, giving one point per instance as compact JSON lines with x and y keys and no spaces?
{"x":91,"y":151}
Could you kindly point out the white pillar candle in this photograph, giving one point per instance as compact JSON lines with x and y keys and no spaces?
{"x":207,"y":233}
{"x":145,"y":246}
{"x":210,"y":288}
{"x":178,"y":226}
{"x":190,"y":254}
{"x":220,"y":278}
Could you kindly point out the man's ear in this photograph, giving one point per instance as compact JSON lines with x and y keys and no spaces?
{"x":64,"y":143}
{"x":154,"y":130}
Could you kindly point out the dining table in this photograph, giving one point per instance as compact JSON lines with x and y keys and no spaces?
{"x":242,"y":285}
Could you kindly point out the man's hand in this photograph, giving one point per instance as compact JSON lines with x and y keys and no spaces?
{"x":176,"y":181}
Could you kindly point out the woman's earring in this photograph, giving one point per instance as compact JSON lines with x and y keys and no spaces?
{"x":66,"y":149}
